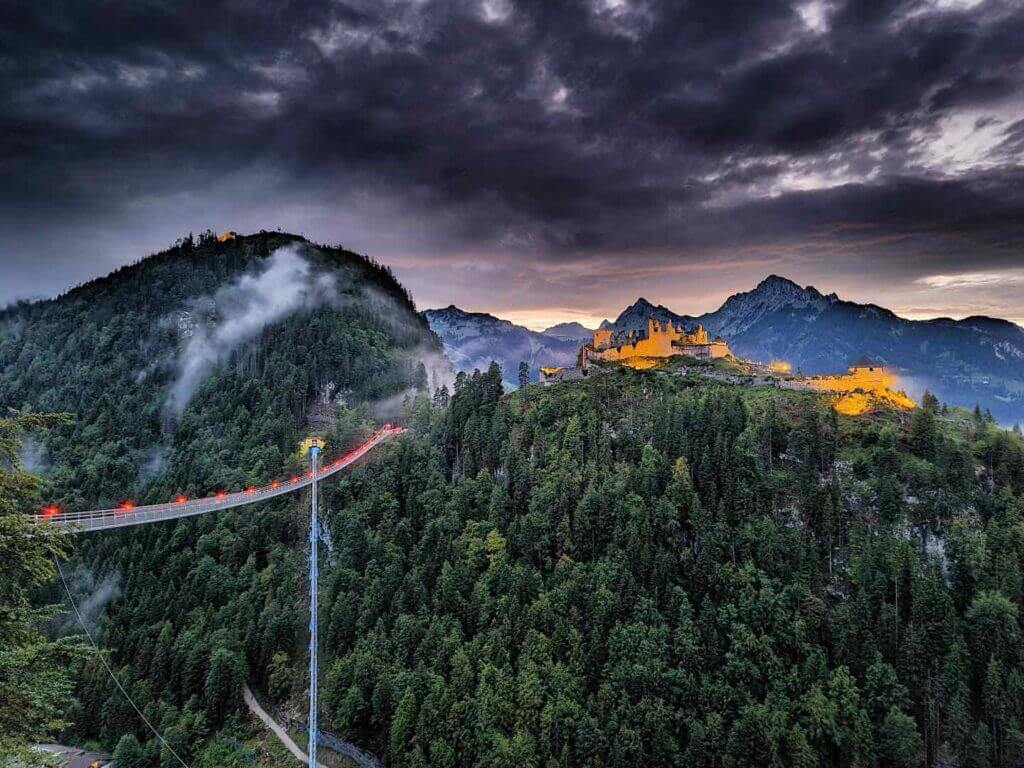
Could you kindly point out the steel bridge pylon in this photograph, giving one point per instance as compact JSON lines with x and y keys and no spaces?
{"x":314,"y":527}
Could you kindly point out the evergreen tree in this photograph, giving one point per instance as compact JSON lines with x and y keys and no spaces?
{"x":35,"y":681}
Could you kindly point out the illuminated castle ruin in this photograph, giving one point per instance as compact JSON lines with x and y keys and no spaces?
{"x":864,"y":374}
{"x":864,"y":386}
{"x":661,"y":339}
{"x":857,"y":390}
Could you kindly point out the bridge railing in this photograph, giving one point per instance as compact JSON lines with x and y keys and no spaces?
{"x":135,"y":515}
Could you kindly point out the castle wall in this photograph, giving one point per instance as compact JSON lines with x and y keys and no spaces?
{"x":661,"y":340}
{"x":659,"y":345}
{"x":602,"y":338}
{"x":719,"y":348}
{"x":868,"y":379}
{"x":707,"y":349}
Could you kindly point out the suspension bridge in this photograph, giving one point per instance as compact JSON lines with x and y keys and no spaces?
{"x":127,"y":514}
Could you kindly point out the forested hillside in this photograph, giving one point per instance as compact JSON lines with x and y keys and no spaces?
{"x":633,"y":569}
{"x":204,"y":358}
{"x":641,"y":569}
{"x":192,"y":371}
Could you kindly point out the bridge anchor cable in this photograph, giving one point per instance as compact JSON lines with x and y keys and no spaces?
{"x":106,"y":666}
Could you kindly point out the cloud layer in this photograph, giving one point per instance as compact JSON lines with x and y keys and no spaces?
{"x":237,"y":312}
{"x":506,"y":155}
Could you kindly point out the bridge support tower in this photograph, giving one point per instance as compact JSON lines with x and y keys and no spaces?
{"x":314,"y":454}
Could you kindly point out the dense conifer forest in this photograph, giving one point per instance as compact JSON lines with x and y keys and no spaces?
{"x":641,"y":569}
{"x":635,"y":569}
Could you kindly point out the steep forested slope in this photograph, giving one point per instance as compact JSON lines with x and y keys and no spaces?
{"x":191,"y":371}
{"x":633,"y":569}
{"x":645,"y":570}
{"x":204,"y":351}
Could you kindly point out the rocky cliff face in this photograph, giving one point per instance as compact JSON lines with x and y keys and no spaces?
{"x":634,"y":317}
{"x":741,"y":312}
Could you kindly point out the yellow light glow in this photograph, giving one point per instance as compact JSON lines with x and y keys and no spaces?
{"x":853,"y":404}
{"x":640,"y":363}
{"x":308,"y":443}
{"x":858,"y":402}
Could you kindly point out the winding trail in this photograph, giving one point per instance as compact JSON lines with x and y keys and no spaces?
{"x":272,"y":724}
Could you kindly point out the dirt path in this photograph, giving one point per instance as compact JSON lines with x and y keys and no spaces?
{"x":281,"y":733}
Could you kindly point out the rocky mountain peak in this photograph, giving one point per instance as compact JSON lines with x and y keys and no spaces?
{"x":772,"y":294}
{"x":776,"y":287}
{"x":635,"y":316}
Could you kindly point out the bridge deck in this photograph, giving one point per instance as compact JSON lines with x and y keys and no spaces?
{"x":119,"y":517}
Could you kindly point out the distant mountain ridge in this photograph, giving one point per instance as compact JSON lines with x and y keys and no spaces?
{"x":974,"y":360}
{"x":574,"y":330}
{"x":473,"y":339}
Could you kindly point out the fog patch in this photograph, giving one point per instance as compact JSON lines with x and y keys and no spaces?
{"x":390,"y":408}
{"x":92,"y":596}
{"x":33,"y":456}
{"x":239,"y":311}
{"x":403,"y":322}
{"x":915,"y":386}
{"x":151,"y":462}
{"x":439,"y":368}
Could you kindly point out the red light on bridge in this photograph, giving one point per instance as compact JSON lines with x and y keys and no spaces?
{"x":219,"y":495}
{"x":250,"y":489}
{"x":310,"y":473}
{"x":295,"y":479}
{"x":274,"y":484}
{"x":125,"y":506}
{"x":181,"y":498}
{"x":51,"y":510}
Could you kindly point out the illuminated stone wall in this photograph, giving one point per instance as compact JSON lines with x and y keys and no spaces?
{"x":602,"y":338}
{"x":857,"y":391}
{"x":866,"y":378}
{"x":661,"y":340}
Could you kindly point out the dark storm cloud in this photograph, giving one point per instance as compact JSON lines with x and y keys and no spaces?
{"x":556,"y":134}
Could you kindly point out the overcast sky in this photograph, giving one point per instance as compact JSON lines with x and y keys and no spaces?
{"x":539,"y":160}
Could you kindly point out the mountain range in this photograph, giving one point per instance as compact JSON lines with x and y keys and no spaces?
{"x":573,"y":331}
{"x":976,"y":360}
{"x":473,"y":339}
{"x":491,"y":531}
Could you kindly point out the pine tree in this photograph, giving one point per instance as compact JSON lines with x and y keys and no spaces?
{"x":129,"y":753}
{"x":35,"y":684}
